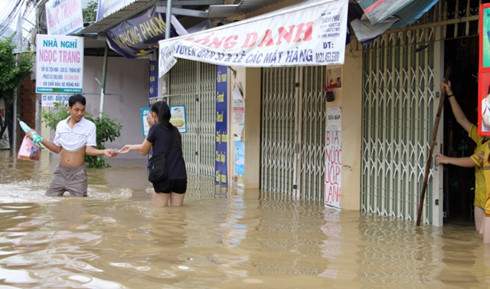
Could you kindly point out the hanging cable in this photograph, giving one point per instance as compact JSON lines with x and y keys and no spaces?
{"x":5,"y":24}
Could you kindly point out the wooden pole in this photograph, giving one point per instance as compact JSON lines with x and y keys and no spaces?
{"x":432,"y":144}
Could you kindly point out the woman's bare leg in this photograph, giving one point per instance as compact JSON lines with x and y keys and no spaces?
{"x":486,"y":230}
{"x":160,"y":200}
{"x":176,"y":200}
{"x":479,"y":219}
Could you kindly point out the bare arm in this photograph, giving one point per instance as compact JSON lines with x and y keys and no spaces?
{"x":48,"y":144}
{"x":51,"y":146}
{"x":92,"y":151}
{"x":466,"y":162}
{"x":457,"y":111}
{"x":143,"y":147}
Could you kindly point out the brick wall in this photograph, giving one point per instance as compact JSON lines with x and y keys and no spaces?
{"x":27,"y":105}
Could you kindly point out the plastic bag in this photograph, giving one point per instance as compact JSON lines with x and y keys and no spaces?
{"x":28,"y":150}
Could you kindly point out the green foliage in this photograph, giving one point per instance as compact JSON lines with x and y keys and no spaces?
{"x":107,"y":130}
{"x":14,"y":69}
{"x":90,"y":12}
{"x":52,"y":118}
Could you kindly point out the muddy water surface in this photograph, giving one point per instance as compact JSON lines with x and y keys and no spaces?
{"x":115,"y":239}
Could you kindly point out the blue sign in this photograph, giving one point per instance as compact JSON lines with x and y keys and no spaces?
{"x":221,"y":162}
{"x":239,"y":158}
{"x":144,"y":122}
{"x":139,"y":35}
{"x":178,"y":117}
{"x":153,"y":83}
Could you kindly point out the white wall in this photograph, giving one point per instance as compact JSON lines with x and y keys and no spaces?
{"x":126,"y":93}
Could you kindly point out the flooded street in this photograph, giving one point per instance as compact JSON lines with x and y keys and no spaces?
{"x":116,"y":239}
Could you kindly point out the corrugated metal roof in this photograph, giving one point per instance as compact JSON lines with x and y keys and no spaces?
{"x":211,"y":12}
{"x":244,"y":6}
{"x":119,"y":16}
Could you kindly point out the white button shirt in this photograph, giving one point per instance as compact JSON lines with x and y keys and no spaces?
{"x":82,"y":134}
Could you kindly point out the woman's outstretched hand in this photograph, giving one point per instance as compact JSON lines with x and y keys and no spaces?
{"x":125,"y":149}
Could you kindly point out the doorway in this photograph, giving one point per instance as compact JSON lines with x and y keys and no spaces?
{"x":459,"y":183}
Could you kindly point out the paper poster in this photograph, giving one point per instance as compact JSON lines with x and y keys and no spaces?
{"x":333,"y":157}
{"x":144,"y":122}
{"x":178,"y":118}
{"x":334,"y":78}
{"x":239,"y":158}
{"x":333,"y":167}
{"x":238,"y":106}
{"x":334,"y":117}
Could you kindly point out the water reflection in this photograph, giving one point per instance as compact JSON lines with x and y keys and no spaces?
{"x":115,"y":239}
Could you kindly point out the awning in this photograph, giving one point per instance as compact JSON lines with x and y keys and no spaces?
{"x":114,"y":16}
{"x":312,"y":33}
{"x":139,"y":35}
{"x":381,"y":15}
{"x":407,"y":10}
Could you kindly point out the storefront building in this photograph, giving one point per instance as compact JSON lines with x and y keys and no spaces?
{"x":356,"y":134}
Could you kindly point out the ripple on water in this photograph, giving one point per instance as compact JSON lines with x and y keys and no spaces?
{"x":113,"y":240}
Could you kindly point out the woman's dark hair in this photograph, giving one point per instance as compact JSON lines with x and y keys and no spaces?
{"x":163,"y":111}
{"x":76,"y":98}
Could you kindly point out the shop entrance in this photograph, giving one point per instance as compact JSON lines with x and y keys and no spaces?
{"x":459,"y":183}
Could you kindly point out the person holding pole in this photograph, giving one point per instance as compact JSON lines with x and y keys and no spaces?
{"x":475,"y":160}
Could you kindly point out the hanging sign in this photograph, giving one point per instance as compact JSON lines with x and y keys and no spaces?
{"x":221,"y":145}
{"x":139,"y":35}
{"x":64,"y":17}
{"x":59,"y":64}
{"x":311,"y":34}
{"x":153,"y":80}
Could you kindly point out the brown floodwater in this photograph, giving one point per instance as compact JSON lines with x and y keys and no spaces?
{"x":116,"y":239}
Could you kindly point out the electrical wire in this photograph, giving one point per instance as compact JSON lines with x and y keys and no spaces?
{"x":10,"y":15}
{"x":8,"y":20}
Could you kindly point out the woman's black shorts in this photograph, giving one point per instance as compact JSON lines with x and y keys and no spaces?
{"x":171,"y":186}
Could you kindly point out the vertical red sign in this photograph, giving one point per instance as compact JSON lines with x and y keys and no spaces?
{"x":484,"y":72}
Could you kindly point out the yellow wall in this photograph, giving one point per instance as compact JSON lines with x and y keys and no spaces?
{"x":348,"y":98}
{"x":250,"y":82}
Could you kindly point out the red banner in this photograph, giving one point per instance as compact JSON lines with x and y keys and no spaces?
{"x":484,"y":72}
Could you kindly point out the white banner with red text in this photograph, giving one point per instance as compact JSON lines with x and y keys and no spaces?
{"x":309,"y":34}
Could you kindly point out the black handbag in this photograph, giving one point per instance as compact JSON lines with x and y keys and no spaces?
{"x":157,"y":167}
